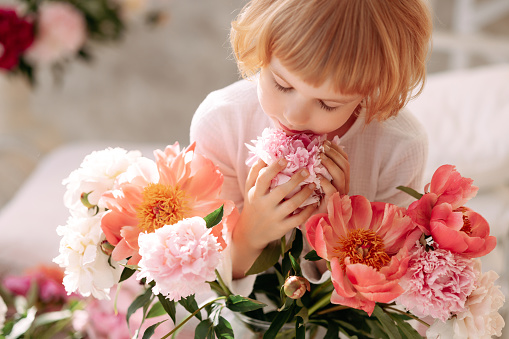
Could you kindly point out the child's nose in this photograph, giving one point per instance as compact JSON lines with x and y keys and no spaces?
{"x":297,"y":115}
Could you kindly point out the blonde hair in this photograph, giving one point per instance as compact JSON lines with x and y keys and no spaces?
{"x":377,"y":48}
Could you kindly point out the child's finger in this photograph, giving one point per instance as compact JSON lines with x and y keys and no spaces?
{"x":338,"y":156}
{"x":281,"y":191}
{"x":327,"y":187}
{"x":266,"y":174}
{"x":302,"y":216}
{"x":289,"y":206}
{"x":253,"y":173}
{"x":340,"y":178}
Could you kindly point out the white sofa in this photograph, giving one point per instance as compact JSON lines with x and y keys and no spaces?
{"x":465,"y":112}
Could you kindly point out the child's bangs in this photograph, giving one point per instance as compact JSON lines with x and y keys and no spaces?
{"x":321,"y":48}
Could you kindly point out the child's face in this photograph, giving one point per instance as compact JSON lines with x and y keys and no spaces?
{"x":296,"y":107}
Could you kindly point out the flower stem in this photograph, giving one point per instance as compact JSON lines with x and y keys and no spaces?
{"x":333,"y":309}
{"x":222,"y":284}
{"x":320,"y":288}
{"x":407,"y":314}
{"x":321,"y":303}
{"x":191,"y":316}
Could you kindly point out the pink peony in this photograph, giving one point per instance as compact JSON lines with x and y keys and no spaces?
{"x":179,"y":258}
{"x":302,"y":151}
{"x":480,"y":318}
{"x":16,"y":35}
{"x":437,"y":283}
{"x":150,"y":195}
{"x":61,"y":32}
{"x":367,"y":247}
{"x":441,"y":214}
{"x":51,"y":291}
{"x":106,"y":319}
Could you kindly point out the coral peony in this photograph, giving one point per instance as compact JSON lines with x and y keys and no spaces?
{"x":441,"y":214}
{"x":480,"y":319}
{"x":87,"y":269}
{"x":97,"y":174}
{"x":302,"y":151}
{"x":61,"y":32}
{"x":437,"y":283}
{"x":16,"y":35}
{"x":150,"y":195}
{"x":179,"y":258}
{"x":367,"y":247}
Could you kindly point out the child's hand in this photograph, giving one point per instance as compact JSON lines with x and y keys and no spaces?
{"x":335,"y":160}
{"x":266,"y":216}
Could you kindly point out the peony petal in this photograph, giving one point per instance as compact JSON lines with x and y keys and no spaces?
{"x":361,"y":212}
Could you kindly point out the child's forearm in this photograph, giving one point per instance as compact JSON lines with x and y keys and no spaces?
{"x":243,"y":255}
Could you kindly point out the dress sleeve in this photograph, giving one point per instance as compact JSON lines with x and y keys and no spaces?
{"x":217,"y":139}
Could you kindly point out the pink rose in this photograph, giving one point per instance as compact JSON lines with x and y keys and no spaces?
{"x":61,"y":32}
{"x":179,"y":258}
{"x":367,"y":247}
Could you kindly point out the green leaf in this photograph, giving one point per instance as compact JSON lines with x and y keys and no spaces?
{"x":238,"y":303}
{"x":332,"y":330}
{"x":190,"y":305}
{"x":388,"y":324}
{"x":297,"y":244}
{"x":312,"y":256}
{"x":268,"y":258}
{"x":204,"y":330}
{"x":139,"y":302}
{"x":410,"y":191}
{"x":169,"y":306}
{"x":295,"y":265}
{"x":149,"y":332}
{"x":278,"y":322}
{"x":405,"y":328}
{"x":156,"y":310}
{"x":215,"y":217}
{"x":300,"y":329}
{"x":223,"y":329}
{"x":126,"y":273}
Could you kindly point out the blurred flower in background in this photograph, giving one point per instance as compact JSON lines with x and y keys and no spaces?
{"x":54,"y":33}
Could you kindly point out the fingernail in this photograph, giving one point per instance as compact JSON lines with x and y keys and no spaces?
{"x":312,"y":186}
{"x":326,"y":147}
{"x":304,"y":173}
{"x":282,"y":162}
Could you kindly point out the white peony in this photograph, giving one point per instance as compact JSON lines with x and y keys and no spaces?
{"x":87,"y":269}
{"x":3,"y":311}
{"x":96,"y":174}
{"x":481,"y":319}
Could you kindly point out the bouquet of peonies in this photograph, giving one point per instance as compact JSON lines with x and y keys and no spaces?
{"x":35,"y":33}
{"x":388,"y":272}
{"x":160,"y":222}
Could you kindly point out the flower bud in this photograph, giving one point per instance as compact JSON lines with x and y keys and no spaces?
{"x":295,"y":287}
{"x":106,"y":247}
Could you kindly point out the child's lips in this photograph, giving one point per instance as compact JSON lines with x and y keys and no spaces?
{"x":289,"y":130}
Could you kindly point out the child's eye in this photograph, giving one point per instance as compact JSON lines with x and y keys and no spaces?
{"x":281,"y":88}
{"x":325,"y":107}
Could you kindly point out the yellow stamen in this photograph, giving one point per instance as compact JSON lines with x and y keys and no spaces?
{"x":364,"y":247}
{"x":162,"y":205}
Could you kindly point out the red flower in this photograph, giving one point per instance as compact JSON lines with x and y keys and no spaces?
{"x":441,"y":214}
{"x":16,"y":35}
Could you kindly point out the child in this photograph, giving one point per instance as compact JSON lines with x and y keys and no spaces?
{"x":342,"y":67}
